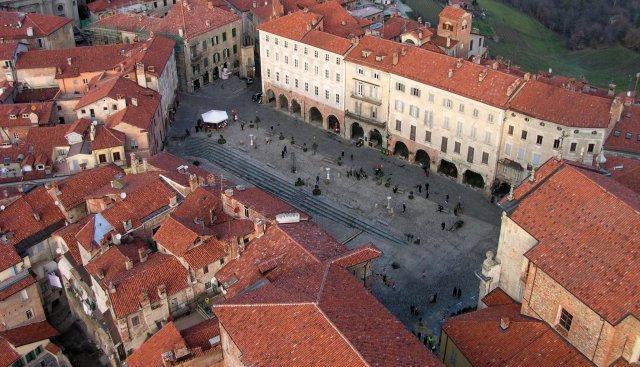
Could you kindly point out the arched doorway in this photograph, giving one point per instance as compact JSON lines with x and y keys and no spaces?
{"x":422,"y":157}
{"x":315,"y":117}
{"x":448,"y":168}
{"x":334,"y":124}
{"x":284,"y":103}
{"x":216,"y":73}
{"x":295,"y":108}
{"x":473,"y":179}
{"x":400,"y":149}
{"x":271,"y":98}
{"x":409,"y":41}
{"x":205,"y":78}
{"x":356,"y":131}
{"x":375,"y":138}
{"x":196,"y":84}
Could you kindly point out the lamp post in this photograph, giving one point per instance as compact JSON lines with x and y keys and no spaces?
{"x":251,"y":139}
{"x":328,"y":175}
{"x":388,"y":202}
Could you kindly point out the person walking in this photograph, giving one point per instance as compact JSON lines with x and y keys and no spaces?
{"x":242,"y":126}
{"x":455,"y":291}
{"x":404,"y":207}
{"x":443,"y":225}
{"x":426,"y":186}
{"x":419,"y":189}
{"x":427,"y":194}
{"x":459,"y":293}
{"x":285,"y":152}
{"x":282,"y":154}
{"x":446,"y":199}
{"x":351,"y":156}
{"x":317,"y":178}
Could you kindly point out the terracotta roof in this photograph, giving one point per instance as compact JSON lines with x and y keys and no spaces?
{"x":625,"y":170}
{"x":42,"y":110}
{"x":313,"y":239}
{"x":174,"y":236}
{"x":36,"y":95}
{"x":68,"y":234}
{"x":8,"y":50}
{"x":395,"y":26}
{"x":430,"y":46}
{"x":318,"y":315}
{"x":452,"y":12}
{"x":29,"y":333}
{"x":153,"y":53}
{"x":337,"y":20}
{"x":576,"y":236}
{"x":83,"y":59}
{"x":264,"y":203}
{"x":625,"y":135}
{"x":526,"y":342}
{"x":46,"y":139}
{"x":17,"y":287}
{"x":8,"y":355}
{"x":207,"y":253}
{"x":562,"y":106}
{"x":8,"y":257}
{"x":194,"y":17}
{"x":442,"y":42}
{"x":150,"y":353}
{"x":15,"y":25}
{"x":19,"y":219}
{"x":85,"y":235}
{"x":358,"y":255}
{"x":169,"y":164}
{"x":497,"y":297}
{"x":75,"y":189}
{"x":198,"y":335}
{"x":292,"y":26}
{"x":199,"y":204}
{"x":327,"y":42}
{"x":53,"y":349}
{"x":233,"y":228}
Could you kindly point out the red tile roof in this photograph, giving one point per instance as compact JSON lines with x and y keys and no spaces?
{"x":19,"y":219}
{"x":526,"y":342}
{"x":169,"y":164}
{"x":578,"y":215}
{"x":174,"y":236}
{"x":562,"y":106}
{"x":53,"y":349}
{"x":8,"y":50}
{"x":30,"y":333}
{"x":629,"y":124}
{"x":8,"y":355}
{"x":292,"y":26}
{"x":46,"y":139}
{"x":68,"y":234}
{"x":497,"y":297}
{"x":318,"y":315}
{"x":75,"y":189}
{"x":8,"y":257}
{"x":327,"y":42}
{"x":264,"y":203}
{"x":198,"y":335}
{"x":233,"y":228}
{"x":207,"y":253}
{"x":358,"y":255}
{"x":15,"y":25}
{"x":42,"y":111}
{"x":337,"y":20}
{"x":625,"y":170}
{"x":150,"y":353}
{"x":36,"y":95}
{"x":395,"y":26}
{"x":452,"y":12}
{"x":194,"y":17}
{"x":16,"y":287}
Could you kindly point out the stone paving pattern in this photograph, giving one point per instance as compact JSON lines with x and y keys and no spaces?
{"x":441,"y":261}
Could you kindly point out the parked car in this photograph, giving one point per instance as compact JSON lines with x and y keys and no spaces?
{"x":257,"y":97}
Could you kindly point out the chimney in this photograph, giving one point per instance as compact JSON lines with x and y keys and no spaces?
{"x":255,"y":4}
{"x":100,"y":273}
{"x":532,"y":176}
{"x":207,"y":22}
{"x":142,"y":253}
{"x":527,"y":76}
{"x":55,"y":188}
{"x":144,"y":164}
{"x":504,"y":323}
{"x":482,"y":75}
{"x":448,"y":41}
{"x":612,"y":90}
{"x":134,"y":101}
{"x":69,"y":61}
{"x":403,"y":51}
{"x":128,"y":264}
{"x":450,"y":73}
{"x":162,"y":291}
{"x":210,"y":4}
{"x":36,"y":216}
{"x":193,"y":182}
{"x":395,"y":58}
{"x":112,"y":288}
{"x":495,"y":64}
{"x":92,"y":132}
{"x":419,"y":34}
{"x":180,"y":32}
{"x":459,"y":63}
{"x":30,"y":32}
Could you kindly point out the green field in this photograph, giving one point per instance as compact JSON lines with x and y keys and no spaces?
{"x":531,"y":45}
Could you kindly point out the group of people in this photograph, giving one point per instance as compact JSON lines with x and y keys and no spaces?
{"x":358,"y":174}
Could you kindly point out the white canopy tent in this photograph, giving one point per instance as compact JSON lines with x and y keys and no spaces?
{"x":215,"y":117}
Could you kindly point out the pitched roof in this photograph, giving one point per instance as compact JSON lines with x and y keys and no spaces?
{"x":150,"y":352}
{"x":337,"y":20}
{"x":318,"y":315}
{"x":8,"y":50}
{"x":327,"y":42}
{"x":74,"y":190}
{"x":578,"y":215}
{"x":395,"y":26}
{"x":42,"y":110}
{"x":8,"y":355}
{"x":46,"y":139}
{"x":452,"y":12}
{"x":526,"y":342}
{"x":15,"y":25}
{"x":169,"y":164}
{"x":210,"y":251}
{"x":292,"y":26}
{"x":625,"y":135}
{"x":358,"y":255}
{"x":562,"y":106}
{"x":17,"y":287}
{"x":174,"y":236}
{"x":625,"y":170}
{"x":264,"y":203}
{"x":497,"y":297}
{"x":29,"y":218}
{"x":36,"y":95}
{"x":193,"y":17}
{"x":29,"y":333}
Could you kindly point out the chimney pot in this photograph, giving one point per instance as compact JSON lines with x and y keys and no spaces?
{"x":69,"y":61}
{"x":128,"y":264}
{"x":395,"y":58}
{"x":142,"y":253}
{"x":450,"y":73}
{"x":504,"y":323}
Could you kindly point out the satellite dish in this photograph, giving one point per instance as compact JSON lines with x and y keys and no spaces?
{"x":118,"y":236}
{"x":123,"y":195}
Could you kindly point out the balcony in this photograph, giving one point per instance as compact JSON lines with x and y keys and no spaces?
{"x":363,"y":98}
{"x":367,"y":120}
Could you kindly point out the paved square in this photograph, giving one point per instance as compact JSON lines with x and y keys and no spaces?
{"x":441,"y":261}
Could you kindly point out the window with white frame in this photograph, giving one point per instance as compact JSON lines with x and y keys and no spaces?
{"x":376,"y":75}
{"x":269,"y":73}
{"x":432,"y":97}
{"x":316,"y":70}
{"x":295,"y":82}
{"x":447,"y":103}
{"x":315,"y":54}
{"x":326,"y":57}
{"x":490,"y":118}
{"x":415,"y":92}
{"x":277,"y":76}
{"x":326,"y":74}
{"x":359,"y":88}
{"x":286,"y":60}
{"x":337,"y":98}
{"x":337,"y":61}
{"x":306,"y":66}
{"x":520,"y":154}
{"x":414,"y":111}
{"x":338,"y":77}
{"x":326,"y":94}
{"x":286,"y":79}
{"x":461,"y":108}
{"x":507,"y":150}
{"x":473,"y":132}
{"x":399,"y":105}
{"x":316,"y":90}
{"x":445,"y":122}
{"x":359,"y":70}
{"x":306,"y":87}
{"x":400,"y":87}
{"x":428,"y":118}
{"x":476,"y":113}
{"x":266,"y":52}
{"x":487,"y":137}
{"x":295,"y":63}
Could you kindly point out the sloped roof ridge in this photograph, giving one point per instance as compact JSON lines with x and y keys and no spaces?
{"x":344,"y":337}
{"x":581,"y":170}
{"x":299,"y":245}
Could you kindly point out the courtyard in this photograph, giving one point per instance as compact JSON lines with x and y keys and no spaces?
{"x":420,"y":258}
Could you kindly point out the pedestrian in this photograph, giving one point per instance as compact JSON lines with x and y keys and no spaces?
{"x":242,"y":126}
{"x":427,"y":194}
{"x":282,"y":154}
{"x":384,"y":278}
{"x":420,"y":188}
{"x":443,"y":225}
{"x":351,"y":156}
{"x":426,"y":186}
{"x":446,"y":199}
{"x":317,"y":180}
{"x":285,"y":152}
{"x":412,"y":308}
{"x":435,"y":297}
{"x":404,"y":207}
{"x":455,"y":291}
{"x":459,"y":292}
{"x":271,"y":128}
{"x":342,"y":154}
{"x":395,"y":189}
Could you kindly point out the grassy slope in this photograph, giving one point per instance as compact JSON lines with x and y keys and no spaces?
{"x":531,"y":45}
